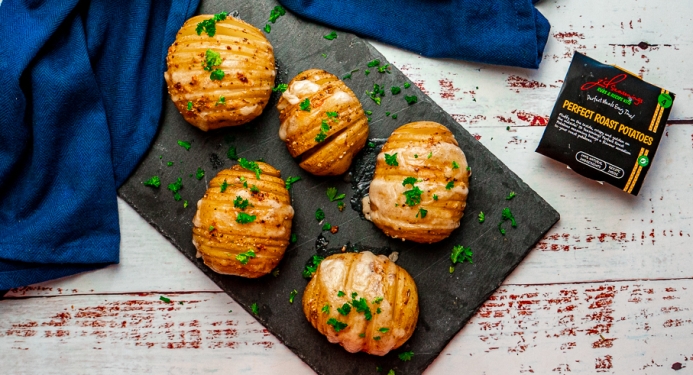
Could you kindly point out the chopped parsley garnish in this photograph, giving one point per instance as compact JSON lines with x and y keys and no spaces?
{"x":190,"y":106}
{"x":354,"y":294}
{"x":376,"y":338}
{"x":244,"y":218}
{"x":406,"y":356}
{"x":332,"y":194}
{"x":251,"y":166}
{"x":324,"y":128}
{"x":224,"y":185}
{"x":312,"y":266}
{"x":212,"y":60}
{"x":305,"y":105}
{"x":254,"y":308}
{"x":336,"y":324}
{"x":217,"y":75}
{"x":395,"y":90}
{"x":245,"y":257}
{"x":413,"y":196}
{"x":384,"y":69}
{"x":254,"y":189}
{"x":200,"y":173}
{"x":170,"y":163}
{"x":324,"y":55}
{"x":241,"y":203}
{"x":293,"y":238}
{"x":391,"y":160}
{"x":290,"y":181}
{"x":362,"y":334}
{"x":348,"y":75}
{"x":268,"y":28}
{"x":332,"y":115}
{"x":369,"y":113}
{"x":378,"y":311}
{"x":435,"y":197}
{"x":482,"y":217}
{"x":341,"y":294}
{"x":423,"y":212}
{"x":411,"y":99}
{"x":460,"y":254}
{"x":377,"y":93}
{"x":221,"y":101}
{"x":394,"y":116}
{"x":319,"y":214}
{"x":184,"y":144}
{"x":281,"y":87}
{"x":383,"y":329}
{"x":387,"y":113}
{"x":378,"y":300}
{"x":407,"y":85}
{"x":325,"y":309}
{"x":345,"y":309}
{"x":416,"y":156}
{"x":340,"y":206}
{"x":409,"y":181}
{"x":366,"y":72}
{"x":469,"y":168}
{"x":331,"y":36}
{"x":370,"y":145}
{"x":391,"y":372}
{"x":175,"y":187}
{"x":185,"y":204}
{"x":277,"y":12}
{"x":507,"y":215}
{"x":455,"y":165}
{"x":320,"y":137}
{"x":373,"y":63}
{"x":166,"y":300}
{"x":429,"y":155}
{"x":326,"y":226}
{"x":361,"y":305}
{"x":450,"y":185}
{"x":292,"y":295}
{"x":209,"y":26}
{"x":154,"y":182}
{"x":231,"y":153}
{"x":511,"y":196}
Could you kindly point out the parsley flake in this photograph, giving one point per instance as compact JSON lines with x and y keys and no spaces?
{"x":312,"y":266}
{"x":423,"y":212}
{"x":460,"y":254}
{"x":406,"y":356}
{"x":331,"y":36}
{"x":221,"y":101}
{"x":345,"y":309}
{"x":292,"y":295}
{"x":333,"y":196}
{"x":244,"y":218}
{"x":369,"y":113}
{"x":395,"y":90}
{"x":348,"y":75}
{"x":251,"y":166}
{"x":217,"y":75}
{"x":361,"y":305}
{"x":185,"y":204}
{"x":407,"y":85}
{"x":394,"y":116}
{"x":231,"y":153}
{"x":254,"y":189}
{"x":378,"y":300}
{"x":435,"y":197}
{"x":241,"y":203}
{"x":223,"y":186}
{"x":184,"y":144}
{"x":340,"y":206}
{"x":293,"y":238}
{"x":280,"y":87}
{"x":383,"y":329}
{"x":190,"y":106}
{"x":429,"y":155}
{"x":254,"y":308}
{"x":450,"y":185}
{"x":391,"y":160}
{"x":268,"y":28}
{"x":175,"y":187}
{"x":164,"y":299}
{"x":511,"y":196}
{"x":245,"y":257}
{"x":366,"y":72}
{"x":411,"y":99}
{"x":209,"y":26}
{"x":376,"y":338}
{"x":326,"y":226}
{"x":319,"y":214}
{"x":373,"y":63}
{"x":384,"y":69}
{"x":362,"y":334}
{"x":290,"y":181}
{"x":482,"y":217}
{"x":413,"y":196}
{"x":409,"y":181}
{"x":455,"y":165}
{"x":378,"y":311}
{"x":200,"y":173}
{"x":336,"y":324}
{"x":305,"y":105}
{"x":341,"y":294}
{"x":275,"y":13}
{"x":325,"y":309}
{"x":507,"y":215}
{"x":212,"y":60}
{"x":170,"y":163}
{"x":154,"y":182}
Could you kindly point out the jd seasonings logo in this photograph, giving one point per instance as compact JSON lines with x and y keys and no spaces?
{"x":608,"y":87}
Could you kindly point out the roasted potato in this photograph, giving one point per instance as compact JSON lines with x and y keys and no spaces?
{"x":363,"y":302}
{"x":419,"y":190}
{"x":243,"y":223}
{"x":322,"y":121}
{"x":221,"y":75}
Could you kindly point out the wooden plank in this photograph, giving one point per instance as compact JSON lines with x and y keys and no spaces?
{"x":603,"y":234}
{"x":623,"y":327}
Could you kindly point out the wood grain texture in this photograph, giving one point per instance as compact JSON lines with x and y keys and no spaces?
{"x":530,"y":325}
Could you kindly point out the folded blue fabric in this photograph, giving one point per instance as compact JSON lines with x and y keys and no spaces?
{"x":82,"y":93}
{"x":504,"y":32}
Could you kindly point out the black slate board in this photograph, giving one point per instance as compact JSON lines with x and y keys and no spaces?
{"x":447,"y":301}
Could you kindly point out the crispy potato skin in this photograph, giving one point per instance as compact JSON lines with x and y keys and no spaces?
{"x":299,"y":128}
{"x":268,"y":236}
{"x":371,"y":277}
{"x":249,"y":72}
{"x":386,"y":205}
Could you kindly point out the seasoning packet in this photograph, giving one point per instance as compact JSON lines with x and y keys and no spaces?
{"x":606,"y":124}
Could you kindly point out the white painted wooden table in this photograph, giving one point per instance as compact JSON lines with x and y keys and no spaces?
{"x":610,"y":289}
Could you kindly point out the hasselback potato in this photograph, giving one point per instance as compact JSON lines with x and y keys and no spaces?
{"x":220,"y":71}
{"x":419,"y":190}
{"x":363,"y":302}
{"x":322,"y":121}
{"x":243,"y":223}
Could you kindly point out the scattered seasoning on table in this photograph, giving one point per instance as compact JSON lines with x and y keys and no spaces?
{"x":406,"y":356}
{"x":331,"y":36}
{"x":333,"y":196}
{"x":280,"y":87}
{"x":391,"y":160}
{"x":324,"y":56}
{"x":184,"y":144}
{"x":292,"y":295}
{"x":482,"y":217}
{"x":411,"y":99}
{"x":326,"y":226}
{"x":254,"y":308}
{"x":185,"y":204}
{"x":319,"y":214}
{"x":251,"y":166}
{"x":505,"y":216}
{"x":384,"y":69}
{"x":366,"y":72}
{"x":460,"y":254}
{"x":387,"y":113}
{"x":312,"y":266}
{"x":348,"y":75}
{"x":200,"y":173}
{"x":231,"y":153}
{"x":407,"y":85}
{"x":340,"y":206}
{"x":268,"y":28}
{"x":293,"y":238}
{"x":154,"y":182}
{"x":290,"y":181}
{"x":394,"y":117}
{"x":395,"y":90}
{"x":369,"y":112}
{"x":175,"y":187}
{"x":511,"y":196}
{"x":209,"y":26}
{"x":275,"y":13}
{"x":373,"y":63}
{"x":371,"y":145}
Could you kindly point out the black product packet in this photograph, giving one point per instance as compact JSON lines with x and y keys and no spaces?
{"x":606,"y":124}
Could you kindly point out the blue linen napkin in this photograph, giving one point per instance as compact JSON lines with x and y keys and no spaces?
{"x":504,"y":32}
{"x":82,"y":93}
